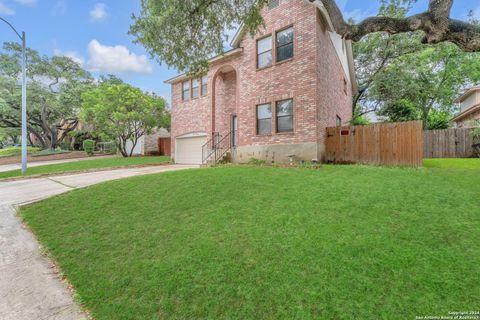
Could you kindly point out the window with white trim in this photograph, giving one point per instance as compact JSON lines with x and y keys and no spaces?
{"x":264,"y":118}
{"x":186,"y":90}
{"x":285,"y":115}
{"x":195,"y":88}
{"x":264,"y":52}
{"x":284,"y":44}
{"x":204,"y":85}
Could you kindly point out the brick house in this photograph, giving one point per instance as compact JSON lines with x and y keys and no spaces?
{"x":469,"y":115}
{"x":270,"y":97}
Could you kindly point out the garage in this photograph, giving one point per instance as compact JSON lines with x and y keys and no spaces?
{"x":188,"y":149}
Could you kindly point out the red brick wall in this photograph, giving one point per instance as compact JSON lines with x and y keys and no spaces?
{"x":332,"y":100}
{"x":313,"y":78}
{"x":291,"y":79}
{"x":225,"y":101}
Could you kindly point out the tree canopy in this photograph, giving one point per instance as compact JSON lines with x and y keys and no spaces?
{"x":120,"y":111}
{"x":184,"y":34}
{"x":401,"y":79}
{"x":53,"y":94}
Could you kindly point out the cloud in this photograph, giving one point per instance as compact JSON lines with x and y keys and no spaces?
{"x":117,"y":59}
{"x":75,"y":56}
{"x":98,"y":13}
{"x":476,"y":13}
{"x":358,"y":15}
{"x":27,"y":2}
{"x":60,"y":8}
{"x":4,"y":9}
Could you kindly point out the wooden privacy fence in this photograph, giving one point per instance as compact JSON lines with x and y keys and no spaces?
{"x":448,"y":143}
{"x":395,"y":144}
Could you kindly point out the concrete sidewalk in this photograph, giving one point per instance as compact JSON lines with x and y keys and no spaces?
{"x":29,"y":286}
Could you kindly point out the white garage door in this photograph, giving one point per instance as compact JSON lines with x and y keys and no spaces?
{"x":189,"y":150}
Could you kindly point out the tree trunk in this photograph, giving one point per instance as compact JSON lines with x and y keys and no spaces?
{"x":134,"y":144}
{"x":122,"y":146}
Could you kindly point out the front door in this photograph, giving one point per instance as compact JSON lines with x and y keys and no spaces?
{"x":234,"y":131}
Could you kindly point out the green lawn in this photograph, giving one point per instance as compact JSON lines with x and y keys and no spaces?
{"x":473,"y":163}
{"x":341,"y":242}
{"x":101,"y":163}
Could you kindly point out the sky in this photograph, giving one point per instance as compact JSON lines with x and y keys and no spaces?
{"x":95,"y":34}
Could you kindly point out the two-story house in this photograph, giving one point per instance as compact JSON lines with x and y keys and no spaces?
{"x":469,"y":115}
{"x":270,"y":97}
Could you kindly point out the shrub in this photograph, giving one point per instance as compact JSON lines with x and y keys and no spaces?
{"x":89,"y":146}
{"x":109,"y":147}
{"x":15,"y":151}
{"x":256,"y":162}
{"x":438,"y":120}
{"x":78,"y":136}
{"x":65,"y":145}
{"x":359,"y":121}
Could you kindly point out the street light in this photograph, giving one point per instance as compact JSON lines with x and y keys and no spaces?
{"x":24,"y":96}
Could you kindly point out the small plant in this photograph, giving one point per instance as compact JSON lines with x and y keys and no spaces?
{"x":89,"y":146}
{"x":309,"y":164}
{"x":256,"y":162}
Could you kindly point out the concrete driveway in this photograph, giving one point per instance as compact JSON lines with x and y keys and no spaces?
{"x":29,"y":285}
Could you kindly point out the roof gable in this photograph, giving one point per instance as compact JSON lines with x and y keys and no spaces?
{"x":235,"y":43}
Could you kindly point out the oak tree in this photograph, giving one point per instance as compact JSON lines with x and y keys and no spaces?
{"x":184,"y":34}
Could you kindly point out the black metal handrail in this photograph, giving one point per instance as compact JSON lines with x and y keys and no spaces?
{"x":208,"y":149}
{"x":223,"y":146}
{"x":216,"y":147}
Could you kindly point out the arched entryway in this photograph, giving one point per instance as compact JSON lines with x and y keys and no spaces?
{"x":224,"y":100}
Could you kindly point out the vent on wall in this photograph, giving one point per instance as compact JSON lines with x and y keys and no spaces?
{"x":273,"y":4}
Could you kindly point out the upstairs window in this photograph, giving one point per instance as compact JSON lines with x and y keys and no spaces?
{"x":204,"y":85}
{"x":264,"y":52}
{"x":186,"y":90}
{"x":264,"y":118}
{"x":273,"y":4}
{"x":285,"y":116}
{"x":195,"y":88}
{"x":285,"y":44}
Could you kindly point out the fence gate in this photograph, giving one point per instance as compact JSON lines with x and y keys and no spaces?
{"x":164,"y":146}
{"x":395,"y":144}
{"x":448,"y":143}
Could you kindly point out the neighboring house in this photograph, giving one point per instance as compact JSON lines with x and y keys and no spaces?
{"x":469,"y":115}
{"x":148,"y":144}
{"x":271,"y":96}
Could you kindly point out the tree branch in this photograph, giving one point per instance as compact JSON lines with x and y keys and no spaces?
{"x":435,"y":23}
